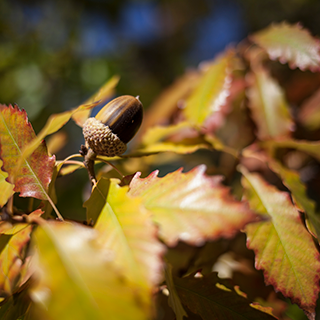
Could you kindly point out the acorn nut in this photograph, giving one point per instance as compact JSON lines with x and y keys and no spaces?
{"x":116,"y":124}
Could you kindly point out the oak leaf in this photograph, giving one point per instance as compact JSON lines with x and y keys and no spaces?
{"x":77,"y":279}
{"x":214,"y":298}
{"x":268,"y":105}
{"x":212,"y":91}
{"x":191,"y":206}
{"x":32,"y":178}
{"x":290,"y":44}
{"x":283,"y":247}
{"x":125,"y":227}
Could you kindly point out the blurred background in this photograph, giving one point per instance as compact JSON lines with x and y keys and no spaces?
{"x":55,"y":54}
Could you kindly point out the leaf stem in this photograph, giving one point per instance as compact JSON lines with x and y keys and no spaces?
{"x":55,"y":209}
{"x":113,"y":166}
{"x":79,"y":163}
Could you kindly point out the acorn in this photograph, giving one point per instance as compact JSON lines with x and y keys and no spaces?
{"x":108,"y":133}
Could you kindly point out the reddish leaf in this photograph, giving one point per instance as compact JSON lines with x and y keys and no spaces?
{"x":283,"y":247}
{"x":191,"y":206}
{"x":214,"y":298}
{"x":268,"y":105}
{"x":290,"y":43}
{"x":34,"y":176}
{"x":54,"y":123}
{"x":292,"y":181}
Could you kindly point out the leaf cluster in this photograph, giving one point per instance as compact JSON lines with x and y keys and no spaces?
{"x":235,"y":237}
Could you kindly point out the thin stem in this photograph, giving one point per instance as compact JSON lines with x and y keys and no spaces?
{"x":79,"y":163}
{"x":55,"y":209}
{"x":76,"y":155}
{"x":30,"y":205}
{"x":66,"y":161}
{"x":113,"y":166}
{"x":10,"y":205}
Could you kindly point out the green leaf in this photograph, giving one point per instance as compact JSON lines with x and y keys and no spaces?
{"x":212,"y":90}
{"x":269,"y":108}
{"x":15,"y":307}
{"x":292,"y":181}
{"x":125,"y":227}
{"x":283,"y":248}
{"x":34,"y":175}
{"x":191,"y":206}
{"x":76,"y":278}
{"x":12,"y":253}
{"x":97,"y":200}
{"x":174,"y":300}
{"x":310,"y":147}
{"x":5,"y":187}
{"x":290,"y":44}
{"x":214,"y":298}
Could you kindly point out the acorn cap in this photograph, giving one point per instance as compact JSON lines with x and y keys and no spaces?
{"x":101,"y":139}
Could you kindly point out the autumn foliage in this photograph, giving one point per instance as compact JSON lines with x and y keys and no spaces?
{"x":235,"y":236}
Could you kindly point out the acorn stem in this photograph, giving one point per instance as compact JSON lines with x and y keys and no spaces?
{"x":89,"y":159}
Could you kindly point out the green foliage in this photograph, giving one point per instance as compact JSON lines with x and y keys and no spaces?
{"x":181,"y":234}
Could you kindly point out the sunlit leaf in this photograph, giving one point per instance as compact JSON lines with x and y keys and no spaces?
{"x":212,"y":90}
{"x":290,"y":44}
{"x":5,"y":187}
{"x":180,"y":148}
{"x":162,"y":108}
{"x":56,"y":142}
{"x":160,"y":133}
{"x":174,"y":300}
{"x":268,"y":105}
{"x":309,"y":114}
{"x":214,"y":298}
{"x":293,"y":182}
{"x":191,"y":206}
{"x":12,"y":250}
{"x":283,"y":248}
{"x":126,"y":228}
{"x":34,"y":175}
{"x":220,"y":146}
{"x":103,"y":93}
{"x":77,"y":279}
